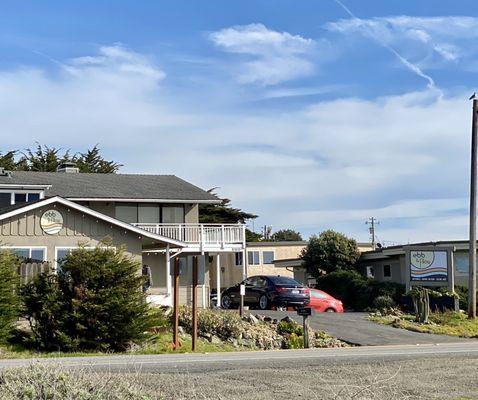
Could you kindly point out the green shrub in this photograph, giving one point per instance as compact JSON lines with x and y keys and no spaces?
{"x":222,"y":324}
{"x":50,"y":382}
{"x":356,"y":291}
{"x":289,"y":327}
{"x":94,"y":302}
{"x":9,"y":300}
{"x":383,"y":302}
{"x":294,"y":341}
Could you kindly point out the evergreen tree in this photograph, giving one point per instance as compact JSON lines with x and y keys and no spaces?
{"x":9,"y":300}
{"x":329,"y":252}
{"x":286,"y":235}
{"x":95,"y":302}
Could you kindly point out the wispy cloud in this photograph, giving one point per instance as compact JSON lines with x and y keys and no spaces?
{"x":431,"y":40}
{"x":269,"y":57}
{"x":370,"y":30}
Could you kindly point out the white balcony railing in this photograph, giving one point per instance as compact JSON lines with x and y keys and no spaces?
{"x":204,"y":235}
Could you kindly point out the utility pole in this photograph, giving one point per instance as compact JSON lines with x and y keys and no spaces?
{"x":372,"y":222}
{"x":473,"y":181}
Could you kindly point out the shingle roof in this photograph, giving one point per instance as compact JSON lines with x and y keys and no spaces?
{"x":111,"y":186}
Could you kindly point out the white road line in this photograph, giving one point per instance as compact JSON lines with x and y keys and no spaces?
{"x":159,"y":362}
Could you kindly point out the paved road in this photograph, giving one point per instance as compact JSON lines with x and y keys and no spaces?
{"x":354,"y":328}
{"x":276,"y":358}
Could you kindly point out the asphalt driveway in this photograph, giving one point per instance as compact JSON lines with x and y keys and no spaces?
{"x":355,"y":328}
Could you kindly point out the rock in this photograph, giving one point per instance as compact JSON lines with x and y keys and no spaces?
{"x":215,"y":340}
{"x":253,"y":320}
{"x":275,"y":321}
{"x":181,"y":331}
{"x":267,"y":319}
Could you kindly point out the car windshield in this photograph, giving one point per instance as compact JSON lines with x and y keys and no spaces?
{"x":284,"y":281}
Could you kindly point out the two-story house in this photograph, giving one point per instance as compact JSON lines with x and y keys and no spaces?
{"x":43,"y":215}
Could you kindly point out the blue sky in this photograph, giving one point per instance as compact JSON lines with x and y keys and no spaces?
{"x":312,"y":114}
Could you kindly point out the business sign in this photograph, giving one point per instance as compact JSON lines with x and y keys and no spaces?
{"x":51,"y":222}
{"x":429,"y":266}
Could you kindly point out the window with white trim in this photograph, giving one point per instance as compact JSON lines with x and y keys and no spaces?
{"x":18,"y":197}
{"x":62,"y":252}
{"x":268,"y":257}
{"x":253,"y":258}
{"x":28,"y":254}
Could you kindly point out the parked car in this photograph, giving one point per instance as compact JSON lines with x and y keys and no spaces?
{"x":324,"y":302}
{"x":265,"y":292}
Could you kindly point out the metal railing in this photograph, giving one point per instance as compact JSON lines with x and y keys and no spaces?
{"x":202,"y":234}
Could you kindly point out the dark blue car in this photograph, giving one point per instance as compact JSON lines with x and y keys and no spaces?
{"x":265,"y":292}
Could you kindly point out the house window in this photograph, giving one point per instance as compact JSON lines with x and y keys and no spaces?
{"x":127,"y":212}
{"x":268,"y":257}
{"x":5,"y":199}
{"x":387,"y":271}
{"x":62,"y":252}
{"x":253,"y":258}
{"x":370,"y":272}
{"x":149,"y":213}
{"x":172,"y":215}
{"x":238,"y":260}
{"x":29,"y":254}
{"x":20,"y":198}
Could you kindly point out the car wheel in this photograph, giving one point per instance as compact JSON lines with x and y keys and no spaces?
{"x":263,"y":302}
{"x":330,"y":310}
{"x":226,"y":302}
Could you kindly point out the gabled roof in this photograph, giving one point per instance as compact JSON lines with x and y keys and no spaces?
{"x":154,"y":188}
{"x":19,"y":209}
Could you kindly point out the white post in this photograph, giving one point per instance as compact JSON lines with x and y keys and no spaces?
{"x":168,"y":272}
{"x":218,"y":279}
{"x":244,"y":265}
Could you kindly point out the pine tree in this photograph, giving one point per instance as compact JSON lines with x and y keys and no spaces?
{"x":9,"y":300}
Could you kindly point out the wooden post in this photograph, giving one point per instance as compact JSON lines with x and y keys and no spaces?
{"x":176,"y":304}
{"x":305,"y":329}
{"x":473,"y":190}
{"x":195,"y":303}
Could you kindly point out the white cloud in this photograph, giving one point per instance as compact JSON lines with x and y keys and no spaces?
{"x":313,"y":168}
{"x":272,"y":57}
{"x":447,"y":37}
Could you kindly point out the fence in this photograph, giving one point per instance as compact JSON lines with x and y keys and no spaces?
{"x":27,"y":271}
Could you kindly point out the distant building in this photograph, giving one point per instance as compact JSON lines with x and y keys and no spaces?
{"x":389,"y":263}
{"x":296,"y":265}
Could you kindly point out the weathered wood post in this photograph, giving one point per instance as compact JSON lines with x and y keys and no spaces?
{"x":176,"y":304}
{"x":195,"y":303}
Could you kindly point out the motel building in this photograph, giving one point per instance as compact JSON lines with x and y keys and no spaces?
{"x":44,"y":215}
{"x":442,"y":263}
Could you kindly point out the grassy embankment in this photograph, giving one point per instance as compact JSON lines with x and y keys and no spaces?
{"x":442,"y":323}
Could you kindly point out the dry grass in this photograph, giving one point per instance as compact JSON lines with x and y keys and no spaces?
{"x":49,"y":382}
{"x":442,"y":323}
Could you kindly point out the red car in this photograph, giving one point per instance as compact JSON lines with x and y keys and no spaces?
{"x":324,"y":302}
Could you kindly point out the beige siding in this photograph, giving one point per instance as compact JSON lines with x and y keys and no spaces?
{"x":191,"y":213}
{"x":79,"y":228}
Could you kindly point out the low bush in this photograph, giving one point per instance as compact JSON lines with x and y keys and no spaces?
{"x":9,"y":299}
{"x":356,"y":291}
{"x":229,"y":327}
{"x":94,"y":302}
{"x":383,"y":303}
{"x":50,"y":382}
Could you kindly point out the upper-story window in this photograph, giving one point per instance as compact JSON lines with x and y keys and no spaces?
{"x":144,"y":213}
{"x":10,"y":198}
